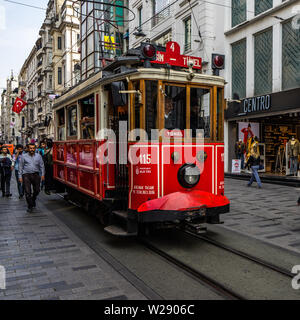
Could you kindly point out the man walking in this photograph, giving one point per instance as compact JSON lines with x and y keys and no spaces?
{"x":31,"y":172}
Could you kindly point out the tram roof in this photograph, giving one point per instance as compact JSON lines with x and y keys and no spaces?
{"x":89,"y":85}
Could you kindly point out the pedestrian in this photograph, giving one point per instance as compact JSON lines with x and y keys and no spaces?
{"x":31,"y":172}
{"x":42,"y":148}
{"x":18,"y":154}
{"x":255,"y":162}
{"x":1,"y":145}
{"x":7,"y":166}
{"x":41,"y":151}
{"x":48,"y":162}
{"x":240,"y":152}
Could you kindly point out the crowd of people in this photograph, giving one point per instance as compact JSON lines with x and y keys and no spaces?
{"x":33,"y":167}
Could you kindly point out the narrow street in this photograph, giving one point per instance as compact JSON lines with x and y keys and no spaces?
{"x":61,"y":252}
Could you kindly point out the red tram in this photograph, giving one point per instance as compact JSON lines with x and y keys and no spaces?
{"x":141,"y":142}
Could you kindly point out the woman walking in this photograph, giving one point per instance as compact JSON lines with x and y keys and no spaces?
{"x":254,"y":162}
{"x":6,"y":167}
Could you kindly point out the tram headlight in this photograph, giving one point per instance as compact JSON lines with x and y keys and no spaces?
{"x":189,"y":175}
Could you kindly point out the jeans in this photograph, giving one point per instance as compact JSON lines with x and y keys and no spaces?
{"x":34,"y":180}
{"x":242,"y":158}
{"x":20,"y":185}
{"x":294,"y":165}
{"x":5,"y":182}
{"x":255,"y":176}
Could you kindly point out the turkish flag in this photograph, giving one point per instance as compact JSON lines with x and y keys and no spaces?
{"x":19,"y":105}
{"x":23,"y":94}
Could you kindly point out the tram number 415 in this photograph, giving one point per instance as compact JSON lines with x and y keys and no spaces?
{"x":145,"y":158}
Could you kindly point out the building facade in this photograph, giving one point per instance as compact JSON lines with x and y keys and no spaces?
{"x":10,"y":121}
{"x":190,"y":23}
{"x":263,"y":75}
{"x":50,"y":68}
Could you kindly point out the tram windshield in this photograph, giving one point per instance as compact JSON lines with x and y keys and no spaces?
{"x":175,"y":108}
{"x":200,"y":111}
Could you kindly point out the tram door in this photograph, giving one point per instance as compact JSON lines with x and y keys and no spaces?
{"x":118,"y":114}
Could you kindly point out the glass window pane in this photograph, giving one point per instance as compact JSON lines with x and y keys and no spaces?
{"x":262,"y":5}
{"x":72,"y":121}
{"x":239,"y":69}
{"x":175,"y":108}
{"x":290,"y":56}
{"x":238,"y":13}
{"x":263,"y":63}
{"x":90,"y":61}
{"x":151,"y":107}
{"x":200,"y":111}
{"x":90,"y":43}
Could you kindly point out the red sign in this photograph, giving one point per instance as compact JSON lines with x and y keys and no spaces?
{"x":173,"y":57}
{"x":19,"y":105}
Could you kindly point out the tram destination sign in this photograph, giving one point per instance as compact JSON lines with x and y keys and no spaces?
{"x":173,"y":57}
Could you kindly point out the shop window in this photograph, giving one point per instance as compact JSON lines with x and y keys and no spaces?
{"x":263,"y":62}
{"x":87,"y":120}
{"x":175,"y":108}
{"x":290,"y":56}
{"x":239,"y":69}
{"x":151,"y":107}
{"x":200,"y":111}
{"x":72,"y":121}
{"x":61,"y":125}
{"x":238,"y":12}
{"x":262,"y":6}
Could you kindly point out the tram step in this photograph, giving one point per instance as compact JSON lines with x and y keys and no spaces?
{"x":118,"y":231}
{"x":121,"y":214}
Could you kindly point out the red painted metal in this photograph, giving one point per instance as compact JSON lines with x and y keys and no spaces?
{"x":173,"y":57}
{"x":185,"y":201}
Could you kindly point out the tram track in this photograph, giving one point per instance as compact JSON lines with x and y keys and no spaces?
{"x":242,"y":254}
{"x":199,"y":276}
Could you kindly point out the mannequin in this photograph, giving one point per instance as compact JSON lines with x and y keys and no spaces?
{"x":293,"y":152}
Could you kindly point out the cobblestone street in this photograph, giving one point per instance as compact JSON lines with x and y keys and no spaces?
{"x":270,"y":214}
{"x":45,"y":260}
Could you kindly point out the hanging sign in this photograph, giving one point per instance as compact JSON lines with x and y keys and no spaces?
{"x":173,"y":57}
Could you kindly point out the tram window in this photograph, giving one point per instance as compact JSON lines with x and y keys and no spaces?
{"x":72,"y":121}
{"x":200,"y":111}
{"x":61,"y":125}
{"x":151,"y":107}
{"x":220,"y":128}
{"x":175,"y":108}
{"x":87,"y":121}
{"x":137,"y":107}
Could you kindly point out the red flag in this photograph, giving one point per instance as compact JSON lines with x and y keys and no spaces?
{"x":23,"y":94}
{"x":19,"y":105}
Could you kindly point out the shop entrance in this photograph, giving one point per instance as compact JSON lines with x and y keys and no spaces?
{"x":275,"y":136}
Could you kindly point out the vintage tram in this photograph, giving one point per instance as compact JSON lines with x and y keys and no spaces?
{"x":140,"y":143}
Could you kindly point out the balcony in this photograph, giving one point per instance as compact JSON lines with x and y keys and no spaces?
{"x":161,"y":16}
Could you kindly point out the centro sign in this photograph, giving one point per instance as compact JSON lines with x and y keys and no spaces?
{"x":255,"y":104}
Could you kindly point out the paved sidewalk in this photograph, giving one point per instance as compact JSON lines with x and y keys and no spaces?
{"x":270,"y":214}
{"x":45,"y":260}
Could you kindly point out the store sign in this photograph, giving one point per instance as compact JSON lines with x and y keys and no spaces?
{"x":261,"y":103}
{"x":236,"y":166}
